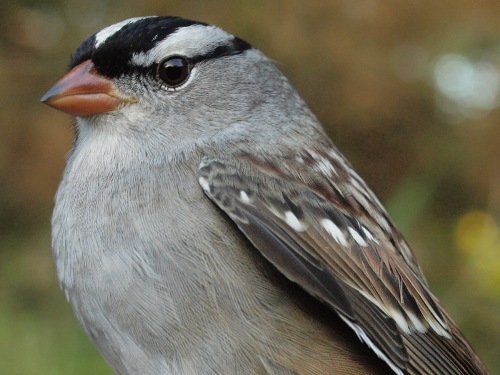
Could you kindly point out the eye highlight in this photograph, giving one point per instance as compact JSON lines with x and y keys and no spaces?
{"x":174,"y":71}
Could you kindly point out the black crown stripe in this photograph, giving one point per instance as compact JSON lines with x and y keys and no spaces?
{"x":112,"y":57}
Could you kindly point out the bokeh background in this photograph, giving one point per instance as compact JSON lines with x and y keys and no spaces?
{"x":409,"y":91}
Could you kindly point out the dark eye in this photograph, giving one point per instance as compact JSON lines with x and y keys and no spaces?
{"x":174,"y":71}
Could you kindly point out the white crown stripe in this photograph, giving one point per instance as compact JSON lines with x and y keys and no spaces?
{"x":109,"y":31}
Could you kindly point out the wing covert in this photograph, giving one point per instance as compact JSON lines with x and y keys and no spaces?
{"x":315,"y":225}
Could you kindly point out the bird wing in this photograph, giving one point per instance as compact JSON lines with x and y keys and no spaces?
{"x":311,"y":216}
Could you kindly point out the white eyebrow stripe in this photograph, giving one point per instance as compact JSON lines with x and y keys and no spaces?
{"x":189,"y":41}
{"x":109,"y":31}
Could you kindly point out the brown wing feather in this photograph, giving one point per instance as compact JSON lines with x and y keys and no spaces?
{"x":326,"y":231}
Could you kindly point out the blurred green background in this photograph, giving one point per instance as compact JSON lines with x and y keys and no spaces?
{"x":408,"y":90}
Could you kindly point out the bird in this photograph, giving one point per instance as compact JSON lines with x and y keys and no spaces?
{"x":206,"y":223}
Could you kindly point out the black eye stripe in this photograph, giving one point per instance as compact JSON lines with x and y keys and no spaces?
{"x":235,"y":47}
{"x":112,"y":58}
{"x":167,"y":72}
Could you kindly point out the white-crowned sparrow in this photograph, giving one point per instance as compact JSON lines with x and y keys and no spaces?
{"x":205,"y":224}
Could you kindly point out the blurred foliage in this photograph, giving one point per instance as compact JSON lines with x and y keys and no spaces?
{"x":409,"y":91}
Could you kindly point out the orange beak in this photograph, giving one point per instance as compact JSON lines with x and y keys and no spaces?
{"x":84,"y":92}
